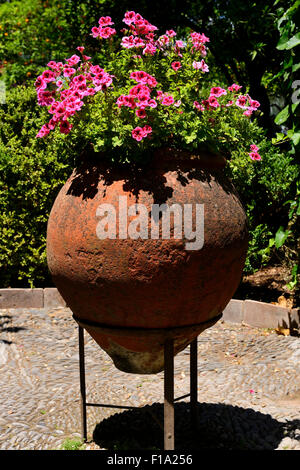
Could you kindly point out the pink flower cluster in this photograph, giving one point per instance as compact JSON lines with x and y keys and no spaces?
{"x":140,"y":132}
{"x":176,"y":65}
{"x":138,"y":27}
{"x":64,"y":87}
{"x":104,"y":30}
{"x":200,"y":66}
{"x":254,"y":155}
{"x":247,"y":103}
{"x":198,"y":41}
{"x":68,"y":87}
{"x":142,"y":36}
{"x":139,"y":97}
{"x":242,"y":101}
{"x":137,"y":24}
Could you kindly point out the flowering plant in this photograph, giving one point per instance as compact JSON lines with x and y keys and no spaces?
{"x":149,"y":91}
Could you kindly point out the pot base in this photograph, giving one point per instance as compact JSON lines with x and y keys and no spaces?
{"x":141,"y":350}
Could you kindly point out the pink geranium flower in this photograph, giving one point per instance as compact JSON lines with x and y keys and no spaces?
{"x":180,"y":44}
{"x":73,"y":60}
{"x":138,"y":133}
{"x":141,"y":113}
{"x":217,"y":91}
{"x":254,"y":104}
{"x":79,"y":79}
{"x":43,"y":131}
{"x":64,"y":87}
{"x":95,"y":31}
{"x":65,"y":127}
{"x":128,"y":42}
{"x":164,"y":40}
{"x":45,"y":98}
{"x":213,"y":102}
{"x":241,"y":102}
{"x":139,"y":76}
{"x":171,"y":33}
{"x":200,"y":66}
{"x":106,"y":32}
{"x":129,"y":17}
{"x":69,"y":71}
{"x":149,"y":49}
{"x":147,"y":129}
{"x":152,"y":103}
{"x":167,"y":100}
{"x":254,"y":156}
{"x":140,"y":90}
{"x":105,"y":21}
{"x":176,"y":65}
{"x":48,"y":76}
{"x":234,"y":87}
{"x":40,"y":83}
{"x":198,"y":106}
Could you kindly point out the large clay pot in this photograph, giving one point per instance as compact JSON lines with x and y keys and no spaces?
{"x":133,"y":294}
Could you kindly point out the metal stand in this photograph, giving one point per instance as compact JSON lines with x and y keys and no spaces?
{"x":169,"y":435}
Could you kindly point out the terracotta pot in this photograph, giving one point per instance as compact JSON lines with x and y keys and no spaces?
{"x":132,"y":294}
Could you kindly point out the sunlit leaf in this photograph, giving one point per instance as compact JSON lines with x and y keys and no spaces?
{"x":282,"y":116}
{"x":280,"y":237}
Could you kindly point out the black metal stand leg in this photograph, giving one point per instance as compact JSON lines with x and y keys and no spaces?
{"x":82,"y":384}
{"x":194,"y":382}
{"x":169,"y":395}
{"x":169,"y":422}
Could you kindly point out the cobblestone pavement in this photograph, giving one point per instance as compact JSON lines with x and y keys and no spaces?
{"x":248,"y":389}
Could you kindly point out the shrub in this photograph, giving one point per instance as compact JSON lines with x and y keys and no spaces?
{"x":31,"y":32}
{"x":30,"y":178}
{"x":264,"y":188}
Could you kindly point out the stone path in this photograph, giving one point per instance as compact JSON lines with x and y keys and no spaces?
{"x":249,"y":389}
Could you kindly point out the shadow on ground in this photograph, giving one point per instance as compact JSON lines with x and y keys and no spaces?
{"x":219,"y":427}
{"x":5,"y":320}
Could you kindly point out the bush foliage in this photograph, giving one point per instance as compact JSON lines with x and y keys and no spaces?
{"x":30,"y":180}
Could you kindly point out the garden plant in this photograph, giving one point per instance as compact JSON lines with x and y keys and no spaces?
{"x":33,"y":169}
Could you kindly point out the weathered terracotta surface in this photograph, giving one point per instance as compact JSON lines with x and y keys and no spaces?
{"x":146,"y":284}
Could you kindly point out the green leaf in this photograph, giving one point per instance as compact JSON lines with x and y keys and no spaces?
{"x":295,"y":270}
{"x":116,"y":141}
{"x":296,"y":138}
{"x":190,"y":138}
{"x":280,"y":237}
{"x":282,"y":116}
{"x":271,"y":242}
{"x":293,"y":42}
{"x":295,"y":67}
{"x":282,"y":41}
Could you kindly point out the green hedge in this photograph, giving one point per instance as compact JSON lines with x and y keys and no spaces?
{"x":30,"y":179}
{"x":265,"y":187}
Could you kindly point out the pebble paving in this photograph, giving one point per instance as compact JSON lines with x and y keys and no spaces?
{"x":248,"y":389}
